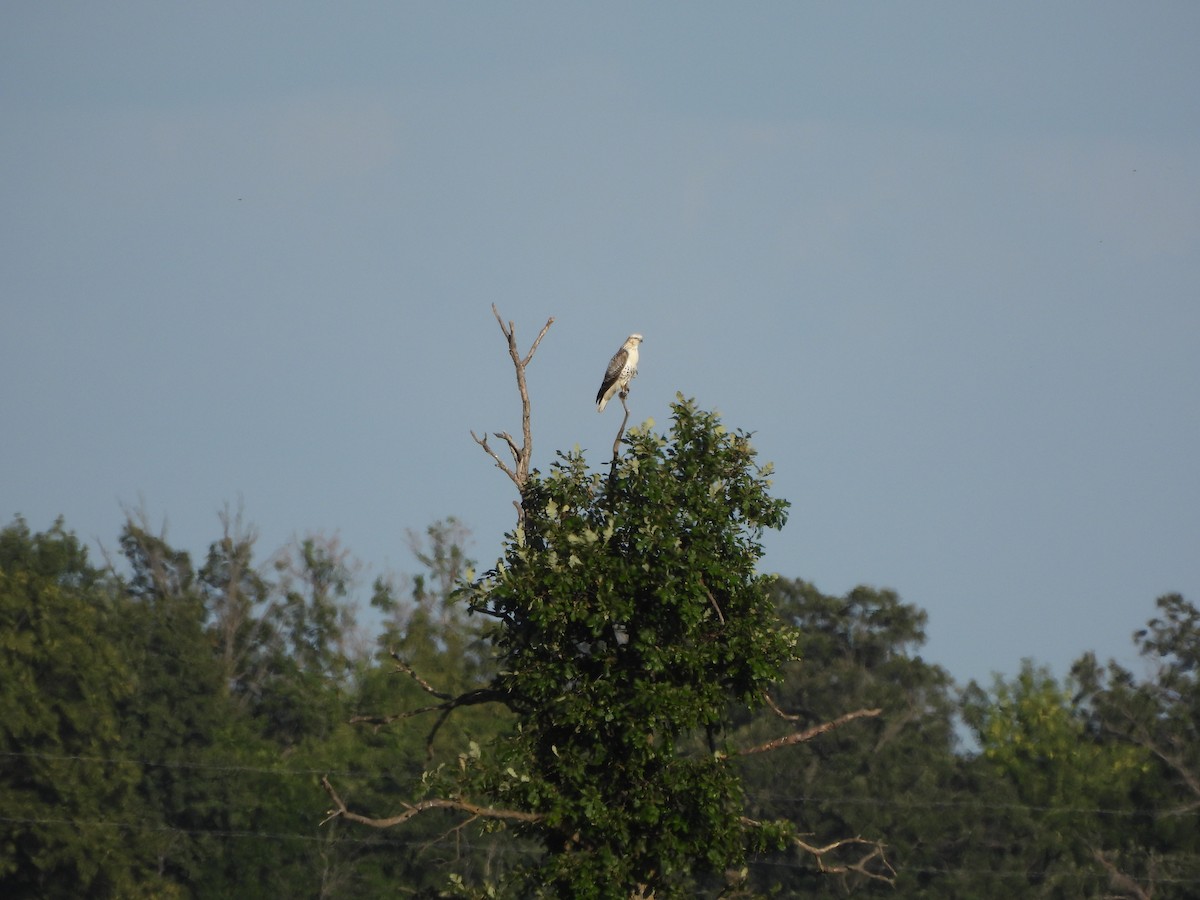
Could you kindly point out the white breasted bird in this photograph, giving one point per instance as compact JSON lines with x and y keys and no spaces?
{"x":621,"y":369}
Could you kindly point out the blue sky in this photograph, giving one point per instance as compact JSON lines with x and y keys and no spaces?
{"x":943,"y":260}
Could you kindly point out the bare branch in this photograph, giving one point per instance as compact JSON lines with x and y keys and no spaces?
{"x":621,"y":430}
{"x":470,"y":698}
{"x":873,"y":864}
{"x":779,"y":712}
{"x":483,"y":442}
{"x":340,"y":810}
{"x":809,"y":733}
{"x":720,"y":617}
{"x":512,"y":445}
{"x":408,"y":670}
{"x":522,"y":454}
{"x":537,"y":340}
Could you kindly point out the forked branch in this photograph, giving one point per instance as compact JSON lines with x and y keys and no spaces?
{"x":402,"y":666}
{"x":448,"y":705}
{"x":340,"y":810}
{"x":470,"y":698}
{"x":518,"y":471}
{"x":871,"y":864}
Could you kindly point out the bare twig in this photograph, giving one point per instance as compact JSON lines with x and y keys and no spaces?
{"x":519,"y":472}
{"x":470,"y":698}
{"x":1119,"y":879}
{"x":873,"y":864}
{"x":720,"y":617}
{"x":408,"y":670}
{"x":621,"y":430}
{"x":340,"y":810}
{"x":779,"y":712}
{"x":809,"y":733}
{"x":512,"y":445}
{"x":483,"y":442}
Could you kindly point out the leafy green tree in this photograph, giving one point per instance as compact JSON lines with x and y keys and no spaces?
{"x":235,"y":703}
{"x":897,"y":774}
{"x":67,"y":798}
{"x":1072,"y":791}
{"x":629,"y":616}
{"x":632,"y":616}
{"x":179,"y":707}
{"x":1156,"y":720}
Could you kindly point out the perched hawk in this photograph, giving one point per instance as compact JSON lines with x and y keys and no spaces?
{"x":621,"y":369}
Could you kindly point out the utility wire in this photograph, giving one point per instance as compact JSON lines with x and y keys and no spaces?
{"x":760,"y":796}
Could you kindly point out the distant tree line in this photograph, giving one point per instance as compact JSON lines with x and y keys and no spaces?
{"x":165,"y":726}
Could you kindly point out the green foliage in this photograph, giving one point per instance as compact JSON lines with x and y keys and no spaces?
{"x":1028,"y":729}
{"x":60,"y":726}
{"x":163,"y":730}
{"x":163,"y":733}
{"x":892,"y":776}
{"x":631,"y":614}
{"x":1072,"y":792}
{"x":1156,"y":718}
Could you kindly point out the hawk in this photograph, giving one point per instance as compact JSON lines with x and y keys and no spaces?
{"x":621,"y":369}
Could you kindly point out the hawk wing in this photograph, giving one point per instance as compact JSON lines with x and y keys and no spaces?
{"x":611,"y":376}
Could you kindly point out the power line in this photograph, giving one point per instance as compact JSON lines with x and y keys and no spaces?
{"x":760,"y":796}
{"x":244,"y":834}
{"x":960,"y":804}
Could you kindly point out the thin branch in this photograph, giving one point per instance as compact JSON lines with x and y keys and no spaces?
{"x":500,"y":464}
{"x":456,"y":831}
{"x":612,"y":470}
{"x":809,"y":733}
{"x":340,"y":810}
{"x":779,"y":712}
{"x":621,"y":430}
{"x":536,"y":341}
{"x":470,"y":698}
{"x":881,"y":871}
{"x":512,"y":445}
{"x":408,"y":670}
{"x":720,"y":617}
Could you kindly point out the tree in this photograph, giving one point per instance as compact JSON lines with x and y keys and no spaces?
{"x":629,"y":616}
{"x":239,"y":688}
{"x":64,"y":792}
{"x":1069,"y":792}
{"x":1156,"y":720}
{"x":896,"y":774}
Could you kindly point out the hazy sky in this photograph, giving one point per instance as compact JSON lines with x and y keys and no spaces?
{"x":942,"y":258}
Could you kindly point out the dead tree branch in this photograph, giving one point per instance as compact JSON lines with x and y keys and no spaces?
{"x":402,"y":666}
{"x":721,"y":618}
{"x":470,"y":698}
{"x":518,"y":472}
{"x":340,"y":810}
{"x":809,"y":733}
{"x":872,"y":864}
{"x":779,"y":712}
